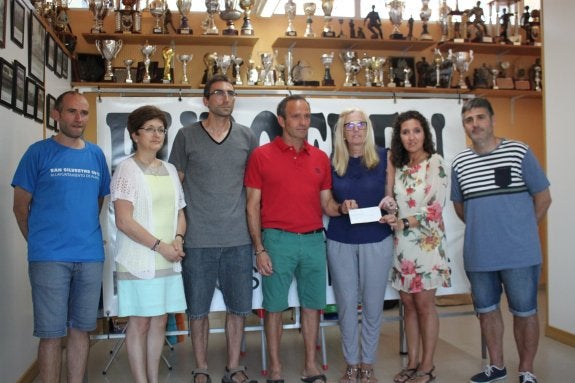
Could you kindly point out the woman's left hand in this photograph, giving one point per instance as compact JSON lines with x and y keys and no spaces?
{"x":390,"y":219}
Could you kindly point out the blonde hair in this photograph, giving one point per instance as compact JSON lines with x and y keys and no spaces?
{"x":370,"y":159}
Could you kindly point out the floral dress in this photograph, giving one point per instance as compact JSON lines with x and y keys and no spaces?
{"x":420,"y":262}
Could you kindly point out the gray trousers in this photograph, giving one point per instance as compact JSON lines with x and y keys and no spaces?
{"x":360,"y":274}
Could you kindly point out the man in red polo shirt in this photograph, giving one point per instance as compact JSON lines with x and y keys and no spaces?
{"x":288,"y":186}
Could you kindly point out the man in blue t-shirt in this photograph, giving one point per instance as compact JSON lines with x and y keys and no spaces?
{"x":59,"y":187}
{"x":501,"y":193}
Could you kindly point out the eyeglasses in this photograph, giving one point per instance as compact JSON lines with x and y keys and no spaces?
{"x":221,"y":93}
{"x":359,"y":125}
{"x":150,"y":129}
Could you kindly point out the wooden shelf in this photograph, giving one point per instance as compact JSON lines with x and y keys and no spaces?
{"x":496,"y":49}
{"x":203,"y":40}
{"x":337,"y":43}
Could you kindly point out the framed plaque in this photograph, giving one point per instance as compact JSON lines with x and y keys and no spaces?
{"x":39,"y":107}
{"x":19,"y":87}
{"x":50,"y":52}
{"x":17,"y":22}
{"x":36,"y":48}
{"x":30,"y":98}
{"x":7,"y":83}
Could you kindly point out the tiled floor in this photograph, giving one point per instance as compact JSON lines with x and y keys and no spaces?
{"x":458,"y":354}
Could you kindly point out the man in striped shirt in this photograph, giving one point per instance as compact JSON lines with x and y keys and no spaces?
{"x":501,"y":193}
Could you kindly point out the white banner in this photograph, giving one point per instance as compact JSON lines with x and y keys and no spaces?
{"x":259,"y":114}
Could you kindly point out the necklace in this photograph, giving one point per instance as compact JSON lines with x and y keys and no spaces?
{"x":153,"y":168}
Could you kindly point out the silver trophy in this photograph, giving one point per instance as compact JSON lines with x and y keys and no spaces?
{"x":327,"y":7}
{"x":461,"y":61}
{"x":327,"y":61}
{"x":309,"y":10}
{"x":229,"y":15}
{"x":494,"y":75}
{"x":280,"y":70}
{"x":444,"y":11}
{"x":185,"y":59}
{"x":147,"y":51}
{"x":290,"y":7}
{"x":267,"y":63}
{"x":252,"y":73}
{"x":238,"y":62}
{"x":109,"y":50}
{"x":289,"y":65}
{"x":247,"y":27}
{"x":158,"y":10}
{"x":128,"y":63}
{"x":437,"y":61}
{"x":378,"y":63}
{"x":367,"y":65}
{"x":99,"y":9}
{"x":425,"y":14}
{"x":348,"y":57}
{"x":407,"y":72}
{"x":224,"y":62}
{"x":209,"y":26}
{"x":129,"y":19}
{"x":537,"y":77}
{"x":396,"y":17}
{"x":184,"y":9}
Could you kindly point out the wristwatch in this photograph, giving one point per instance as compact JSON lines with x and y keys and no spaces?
{"x":405,"y":223}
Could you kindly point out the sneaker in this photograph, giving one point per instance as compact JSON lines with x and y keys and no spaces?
{"x":489,"y":374}
{"x":527,"y":377}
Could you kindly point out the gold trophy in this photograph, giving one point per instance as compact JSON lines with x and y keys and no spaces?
{"x":184,"y":9}
{"x":246,"y":6}
{"x":168,"y":55}
{"x":327,"y":7}
{"x":309,"y":10}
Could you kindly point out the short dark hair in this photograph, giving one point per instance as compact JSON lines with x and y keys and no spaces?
{"x":478,"y":102}
{"x":214,"y":79}
{"x":143,"y":114}
{"x":281,"y":111}
{"x":399,"y":156}
{"x":59,"y":104}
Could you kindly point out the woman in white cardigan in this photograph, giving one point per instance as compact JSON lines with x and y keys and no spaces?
{"x":148,"y":202}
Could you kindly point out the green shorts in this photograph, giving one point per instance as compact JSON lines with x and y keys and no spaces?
{"x":299,"y":255}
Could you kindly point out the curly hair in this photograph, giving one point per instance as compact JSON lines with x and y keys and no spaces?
{"x":400,"y":156}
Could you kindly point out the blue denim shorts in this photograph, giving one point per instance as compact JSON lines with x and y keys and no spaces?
{"x":520,"y":288}
{"x":64,"y":294}
{"x":302,"y":256}
{"x":230,"y":269}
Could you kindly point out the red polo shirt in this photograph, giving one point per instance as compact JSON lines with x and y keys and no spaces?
{"x":290,"y":184}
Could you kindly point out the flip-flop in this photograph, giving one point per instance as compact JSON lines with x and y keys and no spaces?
{"x":314,"y":378}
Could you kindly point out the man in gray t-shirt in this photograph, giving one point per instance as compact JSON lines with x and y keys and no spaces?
{"x":211,"y":157}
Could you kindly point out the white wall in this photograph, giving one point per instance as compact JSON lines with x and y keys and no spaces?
{"x":559,"y":85}
{"x":18,"y":349}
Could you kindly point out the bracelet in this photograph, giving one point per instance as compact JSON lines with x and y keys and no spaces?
{"x":181,"y":236}
{"x":258,"y":252}
{"x":156,"y":244}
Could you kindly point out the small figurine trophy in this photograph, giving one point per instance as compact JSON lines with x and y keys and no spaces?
{"x":327,"y":60}
{"x":425,"y":14}
{"x":185,"y":59}
{"x":327,"y":7}
{"x":309,"y":10}
{"x":407,"y":83}
{"x":147,"y":51}
{"x":99,"y":9}
{"x":209,"y":26}
{"x":247,"y":28}
{"x":396,"y":17}
{"x":128,"y":63}
{"x":267,"y":63}
{"x":494,"y":75}
{"x":290,"y":13}
{"x":184,"y":9}
{"x":158,"y":10}
{"x":229,"y":15}
{"x":109,"y":49}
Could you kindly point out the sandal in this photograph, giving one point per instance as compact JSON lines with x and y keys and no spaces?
{"x":201,"y":371}
{"x":405,"y":374}
{"x":422,"y":374}
{"x":351,"y":375}
{"x":314,"y":378}
{"x":240,"y":371}
{"x":366,"y":375}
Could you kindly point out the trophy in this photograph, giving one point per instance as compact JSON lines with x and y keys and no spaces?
{"x":280,"y":69}
{"x":391,"y":83}
{"x":327,"y":7}
{"x":327,"y":60}
{"x":109,"y":50}
{"x":229,"y":15}
{"x":378,"y":63}
{"x":290,"y":13}
{"x":210,"y":61}
{"x":252,"y":73}
{"x":425,"y":14}
{"x":168,"y":55}
{"x":535,"y":28}
{"x":396,"y":17}
{"x":247,"y":28}
{"x":437,"y":61}
{"x":494,"y":74}
{"x":461,"y":63}
{"x":238,"y":62}
{"x":444,"y":12}
{"x":309,"y":10}
{"x":184,"y":9}
{"x":99,"y":9}
{"x":128,"y":20}
{"x":289,"y":65}
{"x":158,"y":10}
{"x":267,"y":63}
{"x":185,"y":59}
{"x":407,"y":71}
{"x":347,"y":57}
{"x":456,"y":24}
{"x":504,"y":81}
{"x":537,"y":77}
{"x":212,"y":7}
{"x":147,"y":51}
{"x":367,"y":64}
{"x":223,"y":62}
{"x":128,"y":63}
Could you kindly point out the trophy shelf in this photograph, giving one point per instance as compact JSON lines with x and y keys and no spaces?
{"x":496,"y":49}
{"x":339,"y":43}
{"x":204,"y":40}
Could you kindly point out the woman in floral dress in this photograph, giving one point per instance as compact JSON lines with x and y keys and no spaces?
{"x":420,"y":264}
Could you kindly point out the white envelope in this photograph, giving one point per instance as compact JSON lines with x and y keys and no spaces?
{"x":366,"y":214}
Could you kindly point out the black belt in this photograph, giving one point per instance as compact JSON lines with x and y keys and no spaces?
{"x":316,"y":231}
